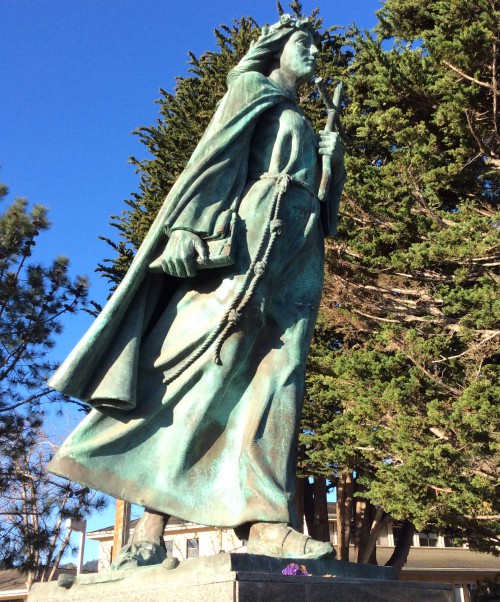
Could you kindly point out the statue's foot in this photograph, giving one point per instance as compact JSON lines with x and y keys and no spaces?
{"x":139,"y":553}
{"x":281,"y":541}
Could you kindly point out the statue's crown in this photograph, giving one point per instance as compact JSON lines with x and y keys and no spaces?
{"x":289,"y":21}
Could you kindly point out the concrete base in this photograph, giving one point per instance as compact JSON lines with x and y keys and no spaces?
{"x":241,"y":578}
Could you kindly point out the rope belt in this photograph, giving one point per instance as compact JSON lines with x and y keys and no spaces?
{"x":233,"y":315}
{"x":291,"y":180}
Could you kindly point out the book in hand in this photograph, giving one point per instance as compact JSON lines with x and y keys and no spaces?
{"x":220,"y":252}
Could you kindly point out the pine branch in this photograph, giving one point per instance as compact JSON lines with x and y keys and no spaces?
{"x":469,"y":78}
{"x":433,"y":377}
{"x":467,"y":351}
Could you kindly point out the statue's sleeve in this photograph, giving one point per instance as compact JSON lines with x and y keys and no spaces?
{"x":330,"y":206}
{"x":212,"y":180}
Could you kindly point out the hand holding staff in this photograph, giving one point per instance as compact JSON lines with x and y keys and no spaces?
{"x":332,"y":122}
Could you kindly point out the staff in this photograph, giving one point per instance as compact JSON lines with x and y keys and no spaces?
{"x":332,"y":122}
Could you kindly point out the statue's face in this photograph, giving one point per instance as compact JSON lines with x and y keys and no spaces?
{"x":298,"y":58}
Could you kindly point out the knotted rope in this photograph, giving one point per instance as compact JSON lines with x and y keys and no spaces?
{"x":233,"y":315}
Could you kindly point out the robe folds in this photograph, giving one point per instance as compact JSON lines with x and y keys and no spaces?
{"x":216,"y":443}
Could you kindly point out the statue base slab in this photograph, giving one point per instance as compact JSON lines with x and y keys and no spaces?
{"x":241,"y":578}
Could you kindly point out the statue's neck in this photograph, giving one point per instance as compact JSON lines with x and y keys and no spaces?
{"x":285,"y":81}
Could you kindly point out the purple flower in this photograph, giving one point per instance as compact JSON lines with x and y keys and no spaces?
{"x":295,"y":569}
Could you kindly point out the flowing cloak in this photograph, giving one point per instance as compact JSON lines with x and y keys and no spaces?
{"x":217,"y":445}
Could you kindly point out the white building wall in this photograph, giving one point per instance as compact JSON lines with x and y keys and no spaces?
{"x":210,"y":541}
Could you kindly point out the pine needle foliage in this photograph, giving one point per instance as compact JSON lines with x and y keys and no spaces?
{"x":183,"y":117}
{"x":33,"y":299}
{"x":404,"y":368}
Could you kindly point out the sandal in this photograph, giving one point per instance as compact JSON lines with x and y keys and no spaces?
{"x":279,"y":540}
{"x":140,"y":553}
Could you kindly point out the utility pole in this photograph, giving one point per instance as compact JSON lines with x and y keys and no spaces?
{"x":122,"y":526}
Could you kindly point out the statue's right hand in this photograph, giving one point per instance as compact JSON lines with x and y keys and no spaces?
{"x":179,"y":257}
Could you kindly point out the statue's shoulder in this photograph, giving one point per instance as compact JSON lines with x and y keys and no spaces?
{"x":252,"y":79}
{"x":255,"y":76}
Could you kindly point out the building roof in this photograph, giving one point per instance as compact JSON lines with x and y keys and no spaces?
{"x":443,"y":558}
{"x":173,"y":521}
{"x":12,"y":579}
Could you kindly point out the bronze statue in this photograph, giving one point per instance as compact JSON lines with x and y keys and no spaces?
{"x":196,"y":364}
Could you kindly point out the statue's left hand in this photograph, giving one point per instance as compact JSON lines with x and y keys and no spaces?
{"x":179,"y":257}
{"x":330,"y":144}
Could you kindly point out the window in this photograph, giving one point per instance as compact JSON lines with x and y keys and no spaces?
{"x":169,"y":546}
{"x":382,"y":539}
{"x":451,"y":541}
{"x":193,"y":548}
{"x":333,"y":533}
{"x":428,"y":540}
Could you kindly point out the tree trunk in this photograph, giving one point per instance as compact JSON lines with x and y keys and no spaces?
{"x":60,"y":554}
{"x":308,"y":505}
{"x":363,"y":519}
{"x":369,"y":553}
{"x":344,"y":513}
{"x":321,"y":526}
{"x":299,"y":502}
{"x":30,"y":578}
{"x":49,"y":565}
{"x":403,"y":544}
{"x":122,"y":526}
{"x":310,"y":501}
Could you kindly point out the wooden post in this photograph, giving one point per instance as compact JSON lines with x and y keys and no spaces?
{"x":122,"y":526}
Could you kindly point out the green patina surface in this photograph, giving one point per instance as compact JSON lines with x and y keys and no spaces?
{"x":197,"y":380}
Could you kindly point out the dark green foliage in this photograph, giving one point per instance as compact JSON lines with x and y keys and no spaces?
{"x":32,"y":300}
{"x":404,"y":370}
{"x":183,"y":118}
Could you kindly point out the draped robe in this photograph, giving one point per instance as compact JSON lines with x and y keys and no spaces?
{"x":216,"y":444}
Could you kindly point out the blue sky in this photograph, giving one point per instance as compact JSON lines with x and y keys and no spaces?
{"x":77,"y":76}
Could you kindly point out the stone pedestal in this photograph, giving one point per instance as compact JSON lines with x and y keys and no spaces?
{"x":241,"y":578}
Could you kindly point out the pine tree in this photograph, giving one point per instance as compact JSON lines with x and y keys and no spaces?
{"x":33,"y":298}
{"x":35,"y":505}
{"x":404,"y":370}
{"x":183,"y":118}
